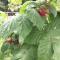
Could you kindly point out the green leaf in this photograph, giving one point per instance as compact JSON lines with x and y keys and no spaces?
{"x":53,"y":10}
{"x":4,"y":47}
{"x":33,"y":37}
{"x":55,"y":37}
{"x":25,"y":5}
{"x":49,"y":46}
{"x":27,"y":52}
{"x":3,"y":17}
{"x":5,"y":29}
{"x":44,"y":49}
{"x":21,"y":25}
{"x":35,"y":18}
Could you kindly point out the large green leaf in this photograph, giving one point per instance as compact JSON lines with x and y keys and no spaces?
{"x":45,"y":49}
{"x":35,"y":18}
{"x":49,"y":46}
{"x":55,"y":37}
{"x":27,"y":52}
{"x":21,"y":25}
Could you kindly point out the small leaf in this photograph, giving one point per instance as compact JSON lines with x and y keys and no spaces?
{"x":25,"y":5}
{"x":52,"y":10}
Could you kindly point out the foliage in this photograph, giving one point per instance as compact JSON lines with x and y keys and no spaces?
{"x":3,"y":17}
{"x":39,"y":36}
{"x":15,"y":1}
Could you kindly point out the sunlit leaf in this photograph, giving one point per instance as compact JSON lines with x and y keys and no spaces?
{"x":15,"y":1}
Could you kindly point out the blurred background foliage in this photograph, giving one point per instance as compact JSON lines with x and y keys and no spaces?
{"x":14,"y":5}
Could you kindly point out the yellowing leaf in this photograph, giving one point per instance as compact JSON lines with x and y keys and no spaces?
{"x":15,"y":1}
